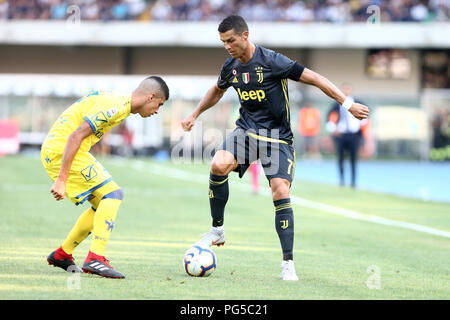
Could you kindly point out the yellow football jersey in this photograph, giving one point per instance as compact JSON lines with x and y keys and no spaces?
{"x":103,"y":110}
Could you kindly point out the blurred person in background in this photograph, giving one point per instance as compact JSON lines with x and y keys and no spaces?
{"x":4,"y":9}
{"x":309,"y":129}
{"x":333,"y":11}
{"x":126,"y":147}
{"x":440,"y":125}
{"x":347,"y":134}
{"x":58,"y":9}
{"x":254,"y":171}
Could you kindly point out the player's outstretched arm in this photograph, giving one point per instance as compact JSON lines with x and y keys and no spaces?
{"x":58,"y":188}
{"x":212,"y":96}
{"x":358,"y":110}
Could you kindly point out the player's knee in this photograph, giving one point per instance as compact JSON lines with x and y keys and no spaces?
{"x":280,"y":188}
{"x":117,"y":194}
{"x":280,"y":193}
{"x":223,"y":163}
{"x":219,"y":169}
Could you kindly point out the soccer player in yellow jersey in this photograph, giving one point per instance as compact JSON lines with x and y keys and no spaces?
{"x":79,"y":176}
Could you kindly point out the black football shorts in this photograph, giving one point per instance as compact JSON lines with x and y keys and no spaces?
{"x":277,"y":156}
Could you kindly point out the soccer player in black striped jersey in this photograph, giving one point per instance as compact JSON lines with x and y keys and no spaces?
{"x":263,"y":129}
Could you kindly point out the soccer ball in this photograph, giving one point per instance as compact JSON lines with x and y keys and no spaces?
{"x":199,"y":261}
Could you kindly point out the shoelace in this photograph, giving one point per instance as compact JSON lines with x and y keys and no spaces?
{"x":105,"y":261}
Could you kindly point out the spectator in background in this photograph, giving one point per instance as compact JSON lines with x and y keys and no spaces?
{"x":135,"y":8}
{"x":119,"y":10}
{"x":309,"y":129}
{"x":4,"y":10}
{"x":181,"y":8}
{"x":333,"y":11}
{"x":440,"y":128}
{"x":44,"y":9}
{"x":440,"y":125}
{"x":90,"y":10}
{"x":22,"y":9}
{"x":419,"y":11}
{"x":440,"y":9}
{"x":126,"y":147}
{"x":160,"y":10}
{"x":346,"y":131}
{"x":58,"y":9}
{"x":254,"y":170}
{"x":105,"y":13}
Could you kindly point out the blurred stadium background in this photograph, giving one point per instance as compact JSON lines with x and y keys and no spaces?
{"x":395,"y":54}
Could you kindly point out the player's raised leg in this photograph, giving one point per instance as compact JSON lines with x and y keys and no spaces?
{"x":222,"y":164}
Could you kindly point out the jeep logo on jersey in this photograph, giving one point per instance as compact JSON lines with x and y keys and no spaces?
{"x":246,"y":77}
{"x":252,"y":95}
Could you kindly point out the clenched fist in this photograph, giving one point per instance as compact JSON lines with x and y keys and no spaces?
{"x":188,"y":123}
{"x":58,"y":190}
{"x":359,"y":111}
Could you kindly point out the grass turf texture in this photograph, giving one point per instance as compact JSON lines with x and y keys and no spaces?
{"x":165,"y":211}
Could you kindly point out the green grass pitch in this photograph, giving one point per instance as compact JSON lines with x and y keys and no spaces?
{"x":166,"y":209}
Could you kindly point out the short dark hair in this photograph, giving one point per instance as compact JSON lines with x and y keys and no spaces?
{"x":162,"y":85}
{"x":233,"y":22}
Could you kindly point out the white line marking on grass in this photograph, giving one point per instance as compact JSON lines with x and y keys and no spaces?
{"x":185,"y":245}
{"x":193,"y":177}
{"x":364,"y":217}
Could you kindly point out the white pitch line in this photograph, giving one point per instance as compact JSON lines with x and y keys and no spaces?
{"x":364,"y":217}
{"x":193,"y":177}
